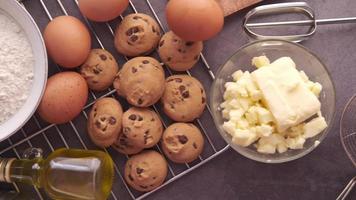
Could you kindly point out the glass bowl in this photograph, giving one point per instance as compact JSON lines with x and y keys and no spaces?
{"x":348,"y":129}
{"x":273,"y":49}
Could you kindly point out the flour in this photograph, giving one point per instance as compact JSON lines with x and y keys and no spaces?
{"x":16,"y":67}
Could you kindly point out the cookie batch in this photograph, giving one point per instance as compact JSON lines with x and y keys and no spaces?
{"x":141,"y":81}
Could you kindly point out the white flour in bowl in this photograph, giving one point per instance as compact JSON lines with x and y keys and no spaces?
{"x":16,"y":67}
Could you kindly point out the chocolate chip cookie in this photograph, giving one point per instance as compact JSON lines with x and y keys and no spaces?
{"x":184,"y":98}
{"x":99,"y":69}
{"x":141,"y":81}
{"x":124,"y":145}
{"x":104,"y":123}
{"x":178,"y":54}
{"x":142,"y":126}
{"x":182,"y":142}
{"x":146,"y":171}
{"x":137,"y":34}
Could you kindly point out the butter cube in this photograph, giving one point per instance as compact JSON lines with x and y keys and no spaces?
{"x":242,"y":124}
{"x":264,"y":115}
{"x":264,"y":130}
{"x":251,"y":116}
{"x":260,"y":61}
{"x":273,"y":139}
{"x":229,"y":127}
{"x":245,"y":103}
{"x":236,"y":114}
{"x":266,"y":148}
{"x":244,"y":137}
{"x":256,"y":95}
{"x":295,"y":143}
{"x":226,"y":114}
{"x":237,"y":75}
{"x":316,"y":89}
{"x":304,"y":77}
{"x":234,"y":104}
{"x":314,"y":127}
{"x":295,"y":131}
{"x":281,"y":148}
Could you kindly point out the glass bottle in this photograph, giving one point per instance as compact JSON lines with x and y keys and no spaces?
{"x":69,"y":174}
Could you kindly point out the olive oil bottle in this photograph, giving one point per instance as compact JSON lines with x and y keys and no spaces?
{"x":67,"y":174}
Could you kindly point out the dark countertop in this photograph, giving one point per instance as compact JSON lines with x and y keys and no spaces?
{"x":322,"y":174}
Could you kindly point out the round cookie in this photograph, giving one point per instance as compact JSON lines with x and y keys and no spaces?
{"x":142,"y":126}
{"x":99,"y":69}
{"x":146,"y":171}
{"x":141,"y":81}
{"x":184,"y":98}
{"x":178,"y":54}
{"x":125,"y":146}
{"x":182,"y":142}
{"x":137,"y":34}
{"x":104,"y":123}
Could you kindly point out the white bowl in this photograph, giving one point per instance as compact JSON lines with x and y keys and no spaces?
{"x":24,"y":19}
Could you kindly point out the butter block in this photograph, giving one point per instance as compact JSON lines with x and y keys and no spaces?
{"x":285,"y":93}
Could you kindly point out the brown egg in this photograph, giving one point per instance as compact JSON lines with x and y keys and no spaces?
{"x":68,"y":41}
{"x":102,"y":10}
{"x":194,"y":20}
{"x":64,"y":98}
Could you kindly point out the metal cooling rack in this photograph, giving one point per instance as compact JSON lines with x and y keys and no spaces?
{"x":37,"y":133}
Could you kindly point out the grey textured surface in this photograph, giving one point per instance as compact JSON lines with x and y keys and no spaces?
{"x":320,"y":175}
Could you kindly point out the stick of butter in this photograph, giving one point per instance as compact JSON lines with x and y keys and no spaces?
{"x":285,"y":93}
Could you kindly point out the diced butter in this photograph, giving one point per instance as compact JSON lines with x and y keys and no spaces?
{"x":295,"y":143}
{"x":264,"y":115}
{"x":260,"y":61}
{"x":244,"y":137}
{"x":242,"y":124}
{"x":236,"y":114}
{"x":285,"y":93}
{"x":237,"y":75}
{"x":266,"y":148}
{"x":314,"y":127}
{"x":264,"y":130}
{"x":229,"y":127}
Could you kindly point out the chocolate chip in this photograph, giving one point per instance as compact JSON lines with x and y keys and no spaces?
{"x":195,"y":145}
{"x":132,"y":117}
{"x":104,"y":129}
{"x":139,"y":170}
{"x":140,"y":118}
{"x":171,"y":105}
{"x":153,"y":119}
{"x":185,"y":94}
{"x":180,"y":50}
{"x":96,"y":71}
{"x":169,"y":59}
{"x":182,"y":139}
{"x":153,"y":29}
{"x":196,"y":57}
{"x":139,"y":101}
{"x":95,"y":114}
{"x":103,"y":118}
{"x":181,"y":88}
{"x":134,"y":38}
{"x":161,"y":43}
{"x":103,"y":57}
{"x":133,"y":70}
{"x":154,"y":177}
{"x":201,"y":90}
{"x":145,"y":61}
{"x":112,"y":121}
{"x":132,"y":31}
{"x":130,"y":177}
{"x":203,"y":100}
{"x":178,"y":80}
{"x":147,"y":131}
{"x":189,"y":43}
{"x":175,"y":40}
{"x":126,"y":130}
{"x":143,"y":187}
{"x":97,"y":124}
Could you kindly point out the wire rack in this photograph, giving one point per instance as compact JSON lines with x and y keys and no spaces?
{"x":37,"y":133}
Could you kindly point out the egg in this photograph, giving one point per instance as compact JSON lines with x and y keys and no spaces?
{"x":68,"y":41}
{"x":194,"y":20}
{"x":64,"y":98}
{"x":102,"y":10}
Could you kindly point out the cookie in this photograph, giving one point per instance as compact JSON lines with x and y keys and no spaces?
{"x":184,"y":98}
{"x":137,"y":34}
{"x":142,"y":126}
{"x":99,"y":69}
{"x":141,"y":81}
{"x":146,"y":171}
{"x":104,"y":122}
{"x":178,"y":54}
{"x":125,"y":146}
{"x":182,"y":142}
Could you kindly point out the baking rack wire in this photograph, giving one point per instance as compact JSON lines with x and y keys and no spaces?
{"x":110,"y":92}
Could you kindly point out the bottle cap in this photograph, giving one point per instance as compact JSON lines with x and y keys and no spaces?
{"x":5,"y":164}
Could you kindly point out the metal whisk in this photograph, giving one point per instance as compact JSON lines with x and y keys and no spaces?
{"x":293,"y":7}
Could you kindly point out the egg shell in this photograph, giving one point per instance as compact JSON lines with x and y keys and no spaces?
{"x":68,"y":41}
{"x":194,"y":20}
{"x":64,"y":98}
{"x":102,"y":10}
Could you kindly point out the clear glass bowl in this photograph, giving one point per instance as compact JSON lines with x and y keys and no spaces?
{"x":273,"y":49}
